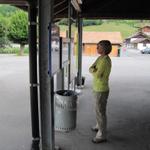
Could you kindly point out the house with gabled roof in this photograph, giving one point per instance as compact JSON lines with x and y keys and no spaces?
{"x":140,"y":40}
{"x":141,"y":43}
{"x":90,"y":40}
{"x":145,"y":29}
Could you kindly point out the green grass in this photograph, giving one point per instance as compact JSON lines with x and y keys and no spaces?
{"x":10,"y":50}
{"x":125,"y":29}
{"x":63,"y":27}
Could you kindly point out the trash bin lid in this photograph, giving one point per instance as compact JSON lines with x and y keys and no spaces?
{"x":66,"y":93}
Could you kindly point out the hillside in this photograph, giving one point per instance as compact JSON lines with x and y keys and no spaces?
{"x":125,"y":29}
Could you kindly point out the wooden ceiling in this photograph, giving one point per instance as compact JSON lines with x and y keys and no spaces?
{"x":104,"y":9}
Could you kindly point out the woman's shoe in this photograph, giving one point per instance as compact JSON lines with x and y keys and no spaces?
{"x":94,"y":129}
{"x":97,"y":140}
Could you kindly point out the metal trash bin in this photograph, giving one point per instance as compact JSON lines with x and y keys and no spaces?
{"x":65,"y":110}
{"x":77,"y":82}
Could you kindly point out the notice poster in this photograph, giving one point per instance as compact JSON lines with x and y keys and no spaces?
{"x":65,"y":48}
{"x":55,"y":50}
{"x":73,"y":70}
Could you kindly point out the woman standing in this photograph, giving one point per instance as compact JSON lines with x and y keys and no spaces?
{"x":100,"y":70}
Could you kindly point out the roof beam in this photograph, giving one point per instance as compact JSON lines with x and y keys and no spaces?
{"x":15,"y":2}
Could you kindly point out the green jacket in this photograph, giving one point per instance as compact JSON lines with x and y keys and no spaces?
{"x":101,"y":70}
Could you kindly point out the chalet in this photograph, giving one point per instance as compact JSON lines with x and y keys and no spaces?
{"x":145,"y":29}
{"x":139,"y":41}
{"x":90,"y":40}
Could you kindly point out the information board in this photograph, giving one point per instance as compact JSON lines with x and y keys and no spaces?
{"x":65,"y":49}
{"x":55,"y":50}
{"x":73,"y":68}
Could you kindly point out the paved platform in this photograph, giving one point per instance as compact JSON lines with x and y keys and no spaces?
{"x":128,"y":107}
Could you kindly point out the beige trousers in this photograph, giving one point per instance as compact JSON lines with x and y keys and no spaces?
{"x":101,"y":117}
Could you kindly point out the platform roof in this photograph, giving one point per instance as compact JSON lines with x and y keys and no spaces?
{"x":15,"y":2}
{"x":120,"y":9}
{"x":99,"y":9}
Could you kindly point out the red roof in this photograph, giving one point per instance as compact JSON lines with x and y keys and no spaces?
{"x":140,"y":40}
{"x":95,"y":37}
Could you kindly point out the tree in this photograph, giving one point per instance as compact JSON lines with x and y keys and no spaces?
{"x":3,"y":32}
{"x":89,"y":22}
{"x":7,"y":10}
{"x":63,"y":22}
{"x":18,"y":29}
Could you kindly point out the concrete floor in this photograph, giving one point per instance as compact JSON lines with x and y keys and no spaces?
{"x":128,"y":107}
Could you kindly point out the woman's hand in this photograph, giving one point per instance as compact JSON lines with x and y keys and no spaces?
{"x":92,"y":69}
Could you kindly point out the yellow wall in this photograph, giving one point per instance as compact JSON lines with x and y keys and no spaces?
{"x":90,"y":50}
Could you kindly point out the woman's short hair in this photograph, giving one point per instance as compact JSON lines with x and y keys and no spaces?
{"x":106,"y":45}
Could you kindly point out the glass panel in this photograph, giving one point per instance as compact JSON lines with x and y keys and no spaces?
{"x":55,"y":53}
{"x":73,"y":70}
{"x":66,"y":77}
{"x":65,"y":47}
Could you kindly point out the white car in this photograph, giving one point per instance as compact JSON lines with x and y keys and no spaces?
{"x":145,"y":51}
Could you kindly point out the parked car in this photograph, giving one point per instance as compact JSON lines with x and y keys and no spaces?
{"x":145,"y":51}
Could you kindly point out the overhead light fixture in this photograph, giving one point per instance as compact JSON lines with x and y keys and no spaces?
{"x":75,"y":5}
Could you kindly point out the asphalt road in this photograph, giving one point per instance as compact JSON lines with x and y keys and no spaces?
{"x":128,"y":106}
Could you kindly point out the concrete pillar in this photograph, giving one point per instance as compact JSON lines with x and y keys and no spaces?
{"x":69,"y":44}
{"x":33,"y":70}
{"x":46,"y":81}
{"x":60,"y":74}
{"x":79,"y":73}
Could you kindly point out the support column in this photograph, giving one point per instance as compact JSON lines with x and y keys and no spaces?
{"x":33,"y":70}
{"x":79,"y":74}
{"x":69,"y":44}
{"x":46,"y":81}
{"x":60,"y":74}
